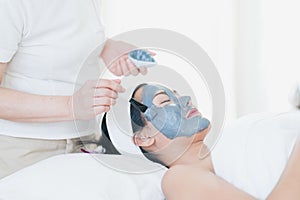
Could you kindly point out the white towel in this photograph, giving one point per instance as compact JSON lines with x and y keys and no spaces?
{"x":84,"y":176}
{"x":252,"y":153}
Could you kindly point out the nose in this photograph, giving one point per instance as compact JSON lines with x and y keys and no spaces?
{"x":185,"y":101}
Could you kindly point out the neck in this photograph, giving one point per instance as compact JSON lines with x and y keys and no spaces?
{"x":196,"y":155}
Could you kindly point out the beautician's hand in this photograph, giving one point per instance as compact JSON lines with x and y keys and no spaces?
{"x":95,"y":97}
{"x":120,"y":65}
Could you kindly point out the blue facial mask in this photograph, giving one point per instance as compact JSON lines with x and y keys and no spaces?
{"x":171,"y":119}
{"x":142,"y":58}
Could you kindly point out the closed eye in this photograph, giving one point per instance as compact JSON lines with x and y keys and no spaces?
{"x":165,"y":101}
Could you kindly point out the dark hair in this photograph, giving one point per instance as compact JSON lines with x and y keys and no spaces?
{"x":105,"y":140}
{"x":137,"y":122}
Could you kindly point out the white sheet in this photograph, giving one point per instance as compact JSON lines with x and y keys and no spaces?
{"x":253,"y":152}
{"x":80,"y":176}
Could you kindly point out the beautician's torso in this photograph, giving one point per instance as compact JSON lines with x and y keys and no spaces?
{"x":50,"y":41}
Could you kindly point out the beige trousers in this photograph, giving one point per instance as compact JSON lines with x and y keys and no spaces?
{"x":17,"y":153}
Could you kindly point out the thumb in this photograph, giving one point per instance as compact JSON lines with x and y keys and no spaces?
{"x":117,"y":81}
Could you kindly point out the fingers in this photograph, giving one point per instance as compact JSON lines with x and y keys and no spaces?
{"x":105,"y":96}
{"x":143,"y":70}
{"x":103,"y":104}
{"x":105,"y":92}
{"x":104,"y":101}
{"x":151,"y":53}
{"x":127,"y":67}
{"x":100,"y":109}
{"x":132,"y":68}
{"x":123,"y":66}
{"x":95,"y":97}
{"x":115,"y":68}
{"x":110,"y":84}
{"x":117,"y":81}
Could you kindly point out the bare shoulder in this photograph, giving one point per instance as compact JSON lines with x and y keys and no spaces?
{"x":190,"y":182}
{"x":184,"y":182}
{"x":181,"y":172}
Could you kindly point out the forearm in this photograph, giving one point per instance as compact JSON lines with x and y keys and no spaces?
{"x":24,"y":107}
{"x":3,"y":67}
{"x":288,"y":186}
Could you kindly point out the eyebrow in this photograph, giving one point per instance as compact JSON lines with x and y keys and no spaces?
{"x":159,"y":93}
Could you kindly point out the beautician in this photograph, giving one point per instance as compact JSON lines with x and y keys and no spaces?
{"x":42,"y":46}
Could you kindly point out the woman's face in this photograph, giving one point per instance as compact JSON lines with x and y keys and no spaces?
{"x":171,"y":118}
{"x":171,"y":114}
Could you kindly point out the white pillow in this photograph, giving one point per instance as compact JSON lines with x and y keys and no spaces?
{"x":82,"y":176}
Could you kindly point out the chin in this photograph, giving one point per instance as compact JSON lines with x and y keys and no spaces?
{"x":200,"y":136}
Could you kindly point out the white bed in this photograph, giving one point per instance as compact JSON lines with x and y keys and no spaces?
{"x":82,"y":176}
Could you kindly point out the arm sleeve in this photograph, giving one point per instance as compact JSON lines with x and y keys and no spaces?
{"x":11,"y":28}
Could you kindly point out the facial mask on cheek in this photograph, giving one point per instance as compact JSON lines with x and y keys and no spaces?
{"x":171,"y":119}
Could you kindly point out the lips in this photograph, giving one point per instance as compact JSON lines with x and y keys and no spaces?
{"x":193,"y":112}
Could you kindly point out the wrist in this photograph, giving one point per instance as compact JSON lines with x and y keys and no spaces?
{"x":109,"y":42}
{"x":69,"y":108}
{"x":107,"y":45}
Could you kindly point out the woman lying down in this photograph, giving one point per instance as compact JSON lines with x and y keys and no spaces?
{"x":260,"y":161}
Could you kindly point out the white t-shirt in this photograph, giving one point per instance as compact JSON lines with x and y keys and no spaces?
{"x":45,"y":43}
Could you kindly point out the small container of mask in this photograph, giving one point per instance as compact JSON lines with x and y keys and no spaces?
{"x":142,"y":58}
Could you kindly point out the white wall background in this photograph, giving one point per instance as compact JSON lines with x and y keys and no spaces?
{"x":267,"y":52}
{"x":254,"y":43}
